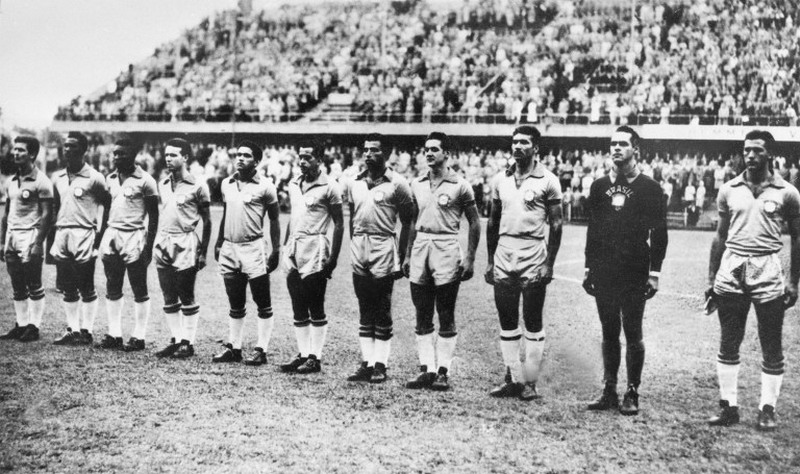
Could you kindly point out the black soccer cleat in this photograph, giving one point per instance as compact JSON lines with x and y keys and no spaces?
{"x":84,"y":338}
{"x":228,"y":355}
{"x":441,"y":384}
{"x":378,"y":373}
{"x":423,"y":380}
{"x":184,"y":351}
{"x":630,"y":402}
{"x":169,"y":349}
{"x":30,"y":334}
{"x":68,"y":339}
{"x":766,"y":419}
{"x":727,"y":416}
{"x":508,"y":389}
{"x":292,"y":366}
{"x":528,"y":392}
{"x":362,"y":374}
{"x":13,"y":334}
{"x":312,"y":365}
{"x":609,"y":400}
{"x":258,"y":357}
{"x":134,"y":344}
{"x":110,"y":342}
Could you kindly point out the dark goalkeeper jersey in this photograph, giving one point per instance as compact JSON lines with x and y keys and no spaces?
{"x":622,"y":218}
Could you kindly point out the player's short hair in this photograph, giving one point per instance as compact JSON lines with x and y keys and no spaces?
{"x":129,"y":144}
{"x":315,"y":144}
{"x":442,"y":137}
{"x":376,"y":137}
{"x":529,"y":130}
{"x":257,"y":152}
{"x":83,"y":142}
{"x":635,"y":139}
{"x":31,"y":144}
{"x":769,"y":140}
{"x":186,"y":148}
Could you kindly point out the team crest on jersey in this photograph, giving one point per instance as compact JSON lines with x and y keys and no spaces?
{"x":127,"y":192}
{"x":619,"y":195}
{"x":78,"y":192}
{"x":309,"y":201}
{"x":246,"y":197}
{"x":443,"y":199}
{"x":181,"y":199}
{"x":770,"y":207}
{"x":529,"y":196}
{"x":379,"y":196}
{"x":26,"y":194}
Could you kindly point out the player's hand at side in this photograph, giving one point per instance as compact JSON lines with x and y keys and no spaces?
{"x":217,"y":248}
{"x":489,"y":274}
{"x":147,"y":255}
{"x":201,"y":260}
{"x":651,"y":287}
{"x":546,"y":274}
{"x":2,"y":253}
{"x":406,"y":267}
{"x":466,"y":270}
{"x":272,"y":261}
{"x":790,"y":295}
{"x":588,"y":283}
{"x":328,"y":266}
{"x":36,"y":250}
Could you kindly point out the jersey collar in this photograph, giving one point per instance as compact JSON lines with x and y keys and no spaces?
{"x":28,"y":177}
{"x":537,"y":171}
{"x":138,"y":172}
{"x":629,"y":177}
{"x":449,"y":175}
{"x":774,"y":181}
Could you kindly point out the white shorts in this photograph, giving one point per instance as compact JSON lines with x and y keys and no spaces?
{"x":759,"y":277}
{"x":249,"y":258}
{"x":178,"y":251}
{"x":518,"y":262}
{"x":125,"y":244}
{"x":74,"y":244}
{"x":374,"y":255}
{"x":19,"y":243}
{"x":305,"y":253}
{"x":435,"y":259}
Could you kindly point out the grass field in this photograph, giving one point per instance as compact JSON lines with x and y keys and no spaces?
{"x":86,"y":410}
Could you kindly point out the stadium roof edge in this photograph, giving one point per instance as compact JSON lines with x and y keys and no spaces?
{"x":651,"y":132}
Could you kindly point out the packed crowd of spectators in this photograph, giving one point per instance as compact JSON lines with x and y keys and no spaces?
{"x":567,"y":61}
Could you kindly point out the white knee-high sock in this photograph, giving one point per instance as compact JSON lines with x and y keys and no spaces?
{"x":510,"y":342}
{"x":174,"y":324}
{"x":534,"y":350}
{"x":427,"y":351}
{"x":367,"y":349}
{"x":445,"y":350}
{"x":318,"y":335}
{"x":265,"y":327}
{"x":189,"y":329}
{"x":114,"y":310}
{"x":21,"y":310}
{"x":36,"y":312}
{"x":770,"y":389}
{"x":141,"y":313}
{"x":382,"y":350}
{"x":303,"y":336}
{"x":235,"y":329}
{"x":71,"y":310}
{"x":89,"y":314}
{"x":728,"y":376}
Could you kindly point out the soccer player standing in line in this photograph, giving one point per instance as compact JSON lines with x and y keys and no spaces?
{"x":434,"y":262}
{"x":377,"y":198}
{"x":745,"y":267}
{"x":23,"y":230}
{"x":127,"y":246}
{"x":79,"y":191}
{"x":526,"y":200}
{"x":311,"y":258}
{"x":625,"y":209}
{"x":242,"y":254}
{"x":178,"y":252}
